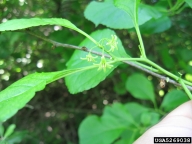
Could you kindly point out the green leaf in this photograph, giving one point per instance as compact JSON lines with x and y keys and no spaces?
{"x":184,"y":54}
{"x":149,"y":118}
{"x":147,"y":12}
{"x":3,"y":142}
{"x":119,"y":112}
{"x":104,"y":130}
{"x":107,"y":14}
{"x":189,"y":2}
{"x":9,"y":130}
{"x":88,"y":79}
{"x":115,"y":119}
{"x":120,"y":87}
{"x":162,"y":5}
{"x":140,"y":87}
{"x":145,"y":118}
{"x":17,"y":24}
{"x":7,"y":43}
{"x":155,"y":118}
{"x":166,"y":58}
{"x":173,"y":99}
{"x":16,"y":137}
{"x":130,"y":7}
{"x":19,"y":93}
{"x":128,"y":136}
{"x":110,"y":14}
{"x":156,"y":25}
{"x":1,"y":130}
{"x":142,"y":114}
{"x":136,"y":110}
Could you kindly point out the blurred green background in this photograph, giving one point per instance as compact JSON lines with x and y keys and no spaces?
{"x":53,"y":115}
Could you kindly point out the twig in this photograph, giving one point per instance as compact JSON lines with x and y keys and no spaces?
{"x":57,"y":44}
{"x":156,"y":75}
{"x":107,"y":56}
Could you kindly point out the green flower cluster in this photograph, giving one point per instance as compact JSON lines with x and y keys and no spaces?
{"x":103,"y":65}
{"x":89,"y":57}
{"x":113,"y":43}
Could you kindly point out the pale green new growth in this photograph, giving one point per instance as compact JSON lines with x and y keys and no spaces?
{"x":112,"y":43}
{"x":90,"y":58}
{"x":104,"y":64}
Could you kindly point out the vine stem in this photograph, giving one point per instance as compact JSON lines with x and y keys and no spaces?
{"x":161,"y":69}
{"x":89,"y":37}
{"x":171,"y":75}
{"x":141,"y":46}
{"x":135,"y":21}
{"x":164,"y":71}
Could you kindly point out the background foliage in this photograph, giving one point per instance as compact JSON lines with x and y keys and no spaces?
{"x":54,"y":115}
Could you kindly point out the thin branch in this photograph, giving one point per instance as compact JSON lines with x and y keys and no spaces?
{"x":56,"y":44}
{"x":156,"y":74}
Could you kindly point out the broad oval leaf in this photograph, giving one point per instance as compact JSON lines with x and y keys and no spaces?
{"x":140,"y":87}
{"x":150,"y":118}
{"x":121,"y":113}
{"x":145,"y":118}
{"x":88,"y":79}
{"x":108,"y":14}
{"x":136,"y":110}
{"x":115,"y":123}
{"x":173,"y":99}
{"x":96,"y":130}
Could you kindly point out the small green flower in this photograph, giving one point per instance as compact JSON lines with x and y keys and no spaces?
{"x":89,"y":58}
{"x":104,"y":64}
{"x":113,"y":43}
